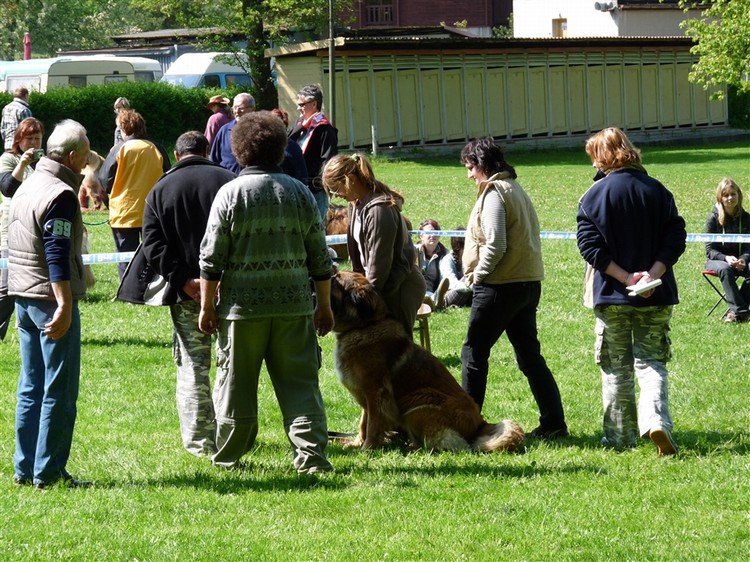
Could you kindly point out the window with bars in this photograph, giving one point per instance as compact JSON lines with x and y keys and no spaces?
{"x":378,"y":12}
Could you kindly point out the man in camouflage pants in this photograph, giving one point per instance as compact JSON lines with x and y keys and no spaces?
{"x":174,"y":222}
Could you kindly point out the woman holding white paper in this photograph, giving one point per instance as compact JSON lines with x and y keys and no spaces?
{"x":630,"y":232}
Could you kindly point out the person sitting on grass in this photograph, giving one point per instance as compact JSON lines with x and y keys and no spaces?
{"x":458,"y":293}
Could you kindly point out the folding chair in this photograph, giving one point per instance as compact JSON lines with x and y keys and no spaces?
{"x":710,"y":276}
{"x":423,"y":325}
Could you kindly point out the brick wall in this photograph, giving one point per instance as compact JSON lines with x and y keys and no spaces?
{"x":428,"y":13}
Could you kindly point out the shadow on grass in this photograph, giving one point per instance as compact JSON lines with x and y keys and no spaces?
{"x":251,"y":477}
{"x":694,"y":155}
{"x":451,"y":360}
{"x":126,"y":340}
{"x":710,"y":443}
{"x":98,"y":297}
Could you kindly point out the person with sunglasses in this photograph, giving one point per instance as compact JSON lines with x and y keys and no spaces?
{"x":317,"y":138}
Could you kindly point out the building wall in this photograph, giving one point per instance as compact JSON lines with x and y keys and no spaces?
{"x":480,"y":14}
{"x":533,"y":18}
{"x":399,"y":98}
{"x":651,"y":23}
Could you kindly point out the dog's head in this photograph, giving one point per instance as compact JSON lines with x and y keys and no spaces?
{"x":355,"y":301}
{"x":337,"y":220}
{"x":93,"y":163}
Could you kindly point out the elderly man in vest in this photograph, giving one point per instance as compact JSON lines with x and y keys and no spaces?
{"x":45,"y":273}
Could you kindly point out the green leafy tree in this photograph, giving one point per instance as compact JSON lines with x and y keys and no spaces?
{"x":722,"y":35}
{"x":262,"y":23}
{"x":67,"y":24}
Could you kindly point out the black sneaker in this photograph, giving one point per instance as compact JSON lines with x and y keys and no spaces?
{"x":549,"y":433}
{"x":67,"y":481}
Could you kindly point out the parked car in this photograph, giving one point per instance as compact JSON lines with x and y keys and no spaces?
{"x":194,"y":70}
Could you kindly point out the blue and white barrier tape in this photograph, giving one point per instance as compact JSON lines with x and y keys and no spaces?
{"x":124,"y":257}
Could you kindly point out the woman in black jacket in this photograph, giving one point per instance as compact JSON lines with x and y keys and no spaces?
{"x":730,"y":259}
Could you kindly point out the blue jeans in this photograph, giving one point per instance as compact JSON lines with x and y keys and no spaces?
{"x":321,"y":198}
{"x":47,"y":393}
{"x":511,"y":308}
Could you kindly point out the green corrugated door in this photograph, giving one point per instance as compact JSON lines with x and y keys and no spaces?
{"x":614,"y":98}
{"x":454,"y":97}
{"x":577,"y":99}
{"x":538,"y":100}
{"x":684,"y":95}
{"x":359,"y":85}
{"x":385,"y":105}
{"x":558,"y":91}
{"x":596,"y":111}
{"x":476,"y":117}
{"x":497,"y":102}
{"x":433,"y":118}
{"x":633,"y":96}
{"x":519,"y":124}
{"x":409,"y":106}
{"x":667,"y":96}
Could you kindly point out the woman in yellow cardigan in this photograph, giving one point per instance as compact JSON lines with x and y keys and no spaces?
{"x":128,"y":174}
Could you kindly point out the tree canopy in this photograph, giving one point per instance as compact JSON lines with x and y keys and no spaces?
{"x":262,"y":22}
{"x":67,"y":24}
{"x":722,"y":35}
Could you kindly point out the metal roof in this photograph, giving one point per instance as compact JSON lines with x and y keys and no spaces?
{"x":374,"y":43}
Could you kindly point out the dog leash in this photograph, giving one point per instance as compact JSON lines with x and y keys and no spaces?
{"x":334,"y":435}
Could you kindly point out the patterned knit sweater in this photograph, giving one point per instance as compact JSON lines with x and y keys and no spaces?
{"x":263,"y":241}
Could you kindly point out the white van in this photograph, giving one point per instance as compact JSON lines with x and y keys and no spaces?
{"x":201,"y":70}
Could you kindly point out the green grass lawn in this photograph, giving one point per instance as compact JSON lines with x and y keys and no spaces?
{"x":569,"y":500}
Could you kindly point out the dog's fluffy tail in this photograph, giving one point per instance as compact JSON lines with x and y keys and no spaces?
{"x":503,"y":436}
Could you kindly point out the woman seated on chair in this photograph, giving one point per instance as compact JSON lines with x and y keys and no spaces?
{"x":730,"y":259}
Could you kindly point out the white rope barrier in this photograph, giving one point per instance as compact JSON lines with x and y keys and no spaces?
{"x":124,"y":257}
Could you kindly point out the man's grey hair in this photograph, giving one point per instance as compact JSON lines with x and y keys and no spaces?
{"x":310,"y":93}
{"x":245,"y":98}
{"x":68,"y":136}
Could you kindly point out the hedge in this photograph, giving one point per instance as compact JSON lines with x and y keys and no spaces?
{"x":169,"y":111}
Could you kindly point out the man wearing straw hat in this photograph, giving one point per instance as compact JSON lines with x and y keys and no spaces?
{"x":221,"y":116}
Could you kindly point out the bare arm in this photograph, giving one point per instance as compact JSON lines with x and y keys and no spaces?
{"x":323,"y":316}
{"x":62,"y":318}
{"x":207,"y":318}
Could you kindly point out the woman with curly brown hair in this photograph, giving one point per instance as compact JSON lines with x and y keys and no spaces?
{"x":264,"y":241}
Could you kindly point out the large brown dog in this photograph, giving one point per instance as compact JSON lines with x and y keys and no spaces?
{"x":399,"y":384}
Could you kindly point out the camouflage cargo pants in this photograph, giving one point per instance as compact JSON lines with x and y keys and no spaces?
{"x":633,"y":342}
{"x":191,"y":350}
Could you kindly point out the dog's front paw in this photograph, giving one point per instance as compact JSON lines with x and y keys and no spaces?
{"x":355,"y":443}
